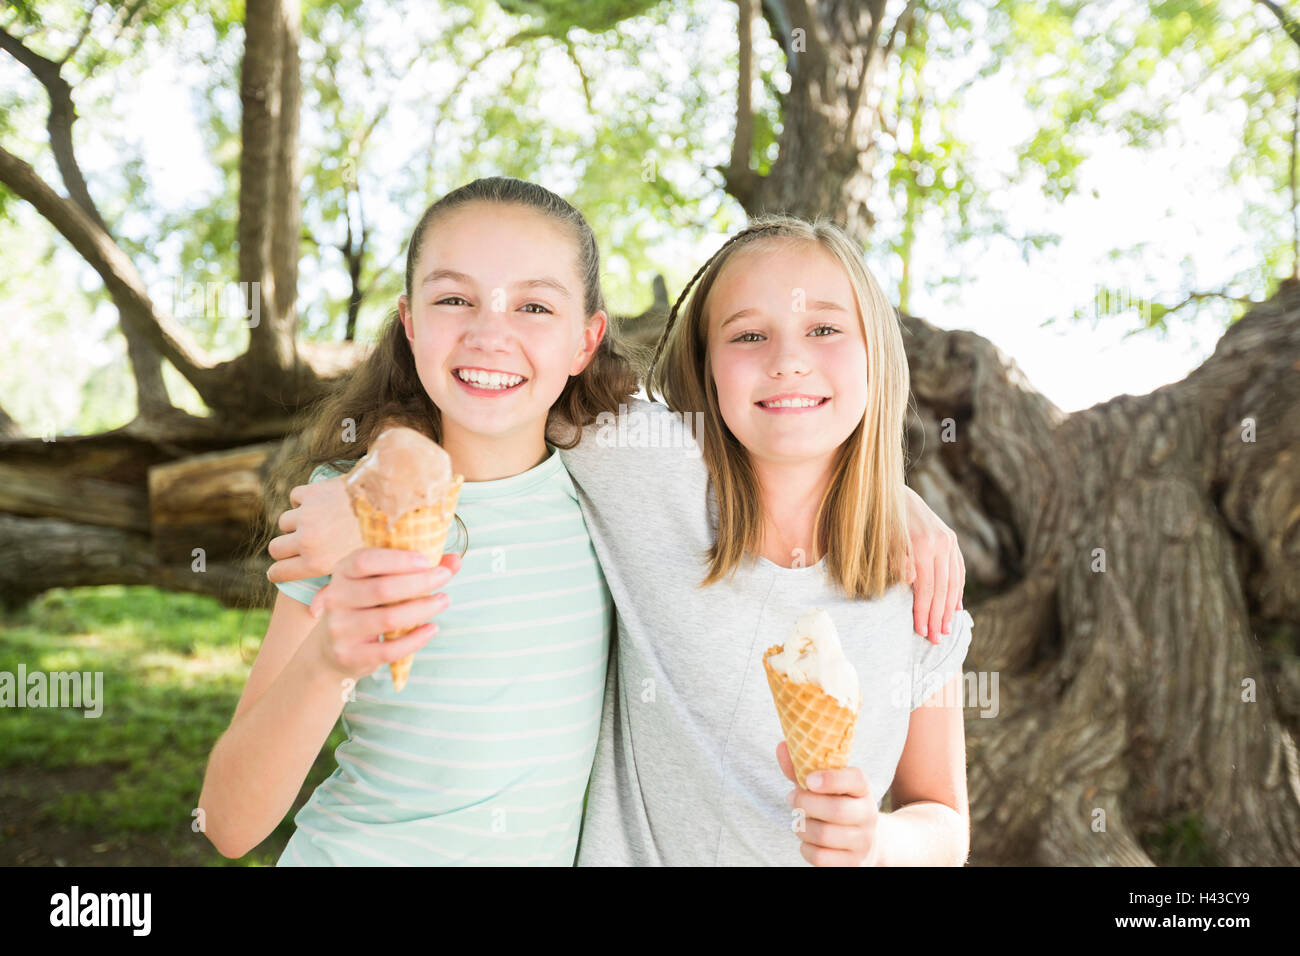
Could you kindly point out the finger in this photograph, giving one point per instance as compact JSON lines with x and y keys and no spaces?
{"x":850,"y":781}
{"x":922,"y":593}
{"x":832,"y":808}
{"x":940,"y":596}
{"x":378,"y":653}
{"x":284,"y":546}
{"x":388,"y":651}
{"x":387,"y":589}
{"x":290,"y":569}
{"x":953,"y":592}
{"x":369,"y":562}
{"x":317,"y":606}
{"x":398,"y":617}
{"x":288,"y":520}
{"x":821,"y":856}
{"x":296,"y":494}
{"x":783,"y":758}
{"x":833,"y":836}
{"x":450,"y":561}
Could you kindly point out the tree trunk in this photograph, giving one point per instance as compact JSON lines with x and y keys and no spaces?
{"x":836,"y":51}
{"x":260,"y":92}
{"x":1155,"y":539}
{"x":124,"y":508}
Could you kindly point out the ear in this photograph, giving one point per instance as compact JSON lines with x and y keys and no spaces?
{"x":408,"y":320}
{"x":592,"y":333}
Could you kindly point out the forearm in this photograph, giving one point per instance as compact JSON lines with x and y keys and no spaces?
{"x":922,"y":834}
{"x":258,"y":765}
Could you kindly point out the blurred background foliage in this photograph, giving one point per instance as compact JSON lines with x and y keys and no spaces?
{"x":625,"y":106}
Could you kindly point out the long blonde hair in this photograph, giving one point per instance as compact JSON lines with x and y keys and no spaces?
{"x":861,"y":521}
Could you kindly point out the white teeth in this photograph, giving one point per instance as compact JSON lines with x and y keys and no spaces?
{"x":488,"y":379}
{"x":792,"y":403}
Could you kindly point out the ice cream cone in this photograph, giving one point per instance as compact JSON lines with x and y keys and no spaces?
{"x":421,"y":529}
{"x":818,"y":728}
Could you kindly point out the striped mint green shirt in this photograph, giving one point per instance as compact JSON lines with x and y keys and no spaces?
{"x":484,"y":756}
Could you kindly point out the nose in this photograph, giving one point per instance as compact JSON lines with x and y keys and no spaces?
{"x":788,"y":357}
{"x":487,"y":330}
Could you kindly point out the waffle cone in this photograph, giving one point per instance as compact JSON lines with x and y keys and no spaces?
{"x":818,"y":728}
{"x":421,"y":529}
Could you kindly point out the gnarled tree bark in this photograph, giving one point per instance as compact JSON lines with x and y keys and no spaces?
{"x":1157,"y":535}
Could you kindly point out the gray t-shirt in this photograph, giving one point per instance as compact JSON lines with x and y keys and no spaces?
{"x":685,"y":772}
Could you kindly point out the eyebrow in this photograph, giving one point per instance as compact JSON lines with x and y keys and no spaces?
{"x":821,"y":305}
{"x":541,"y":282}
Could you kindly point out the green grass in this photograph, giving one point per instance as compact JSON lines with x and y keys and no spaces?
{"x":173,"y":672}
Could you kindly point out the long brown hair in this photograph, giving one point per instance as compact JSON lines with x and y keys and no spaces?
{"x":384,"y":388}
{"x":861,"y":521}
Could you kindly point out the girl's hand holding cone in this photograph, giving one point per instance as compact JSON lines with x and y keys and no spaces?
{"x":839,"y":815}
{"x":375,"y":591}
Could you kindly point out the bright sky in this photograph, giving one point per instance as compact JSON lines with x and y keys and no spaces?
{"x":1154,"y":196}
{"x":1159,"y":197}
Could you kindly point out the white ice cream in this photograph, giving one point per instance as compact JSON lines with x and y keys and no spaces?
{"x":813,"y":653}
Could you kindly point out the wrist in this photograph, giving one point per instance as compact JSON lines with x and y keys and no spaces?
{"x":322,"y":665}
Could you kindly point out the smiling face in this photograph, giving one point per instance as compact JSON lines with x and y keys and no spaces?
{"x":496,"y":320}
{"x":786,"y":351}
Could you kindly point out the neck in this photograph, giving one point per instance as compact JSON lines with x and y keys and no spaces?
{"x":487,"y":458}
{"x":791,"y":493}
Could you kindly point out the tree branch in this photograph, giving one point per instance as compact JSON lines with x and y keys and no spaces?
{"x":151,"y":390}
{"x":123,"y":282}
{"x":582,"y":74}
{"x":517,"y":40}
{"x":876,"y":56}
{"x":259,"y":94}
{"x":1291,"y":27}
{"x":1214,"y":294}
{"x":286,"y":243}
{"x":81,"y":37}
{"x":778,"y":22}
{"x":59,"y":123}
{"x":740,"y":180}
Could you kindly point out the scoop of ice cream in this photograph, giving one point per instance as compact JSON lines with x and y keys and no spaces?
{"x":402,"y":470}
{"x":813,"y":654}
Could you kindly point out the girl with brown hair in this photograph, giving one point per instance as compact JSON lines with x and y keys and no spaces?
{"x":484,"y":756}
